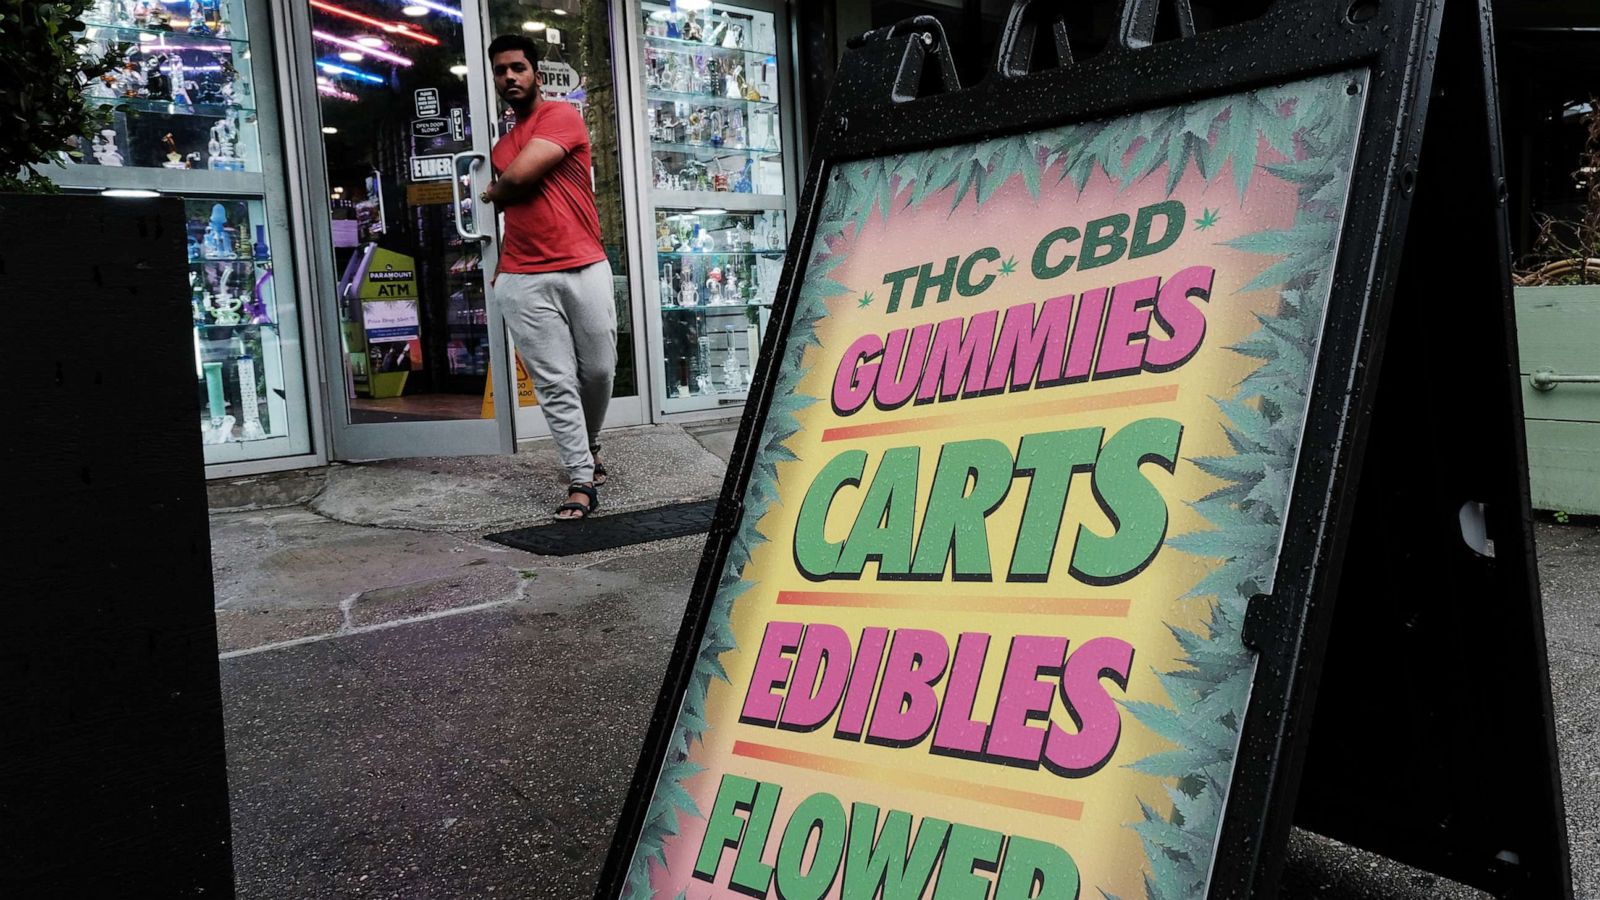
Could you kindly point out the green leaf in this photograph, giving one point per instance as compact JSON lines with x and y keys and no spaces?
{"x":1145,"y":159}
{"x":1177,"y":763}
{"x":1311,"y":171}
{"x":1269,"y":243}
{"x":1178,"y":151}
{"x":996,"y":177}
{"x":1031,"y":171}
{"x":972,"y":171}
{"x":1170,"y":725}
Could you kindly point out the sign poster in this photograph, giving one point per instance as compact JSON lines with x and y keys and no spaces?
{"x":438,"y":167}
{"x":429,"y":193}
{"x":390,"y":316}
{"x":1028,"y":457}
{"x":560,"y":81}
{"x":428,"y":128}
{"x":525,"y":393}
{"x":427,"y":102}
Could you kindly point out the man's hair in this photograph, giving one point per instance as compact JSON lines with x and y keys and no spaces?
{"x":508,"y":42}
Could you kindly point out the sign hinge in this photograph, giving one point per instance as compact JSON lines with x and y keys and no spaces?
{"x":726,"y":519}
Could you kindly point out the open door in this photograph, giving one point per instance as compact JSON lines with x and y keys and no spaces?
{"x":414,"y":350}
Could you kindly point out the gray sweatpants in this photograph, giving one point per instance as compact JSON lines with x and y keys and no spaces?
{"x":565,"y":328}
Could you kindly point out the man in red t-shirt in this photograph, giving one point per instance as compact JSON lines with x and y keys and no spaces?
{"x":554,"y":282}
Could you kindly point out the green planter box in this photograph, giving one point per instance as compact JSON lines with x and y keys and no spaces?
{"x":1558,"y":330}
{"x":387,"y":384}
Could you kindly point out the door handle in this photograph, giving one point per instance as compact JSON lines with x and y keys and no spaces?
{"x":475,"y":159}
{"x":1546,"y":379}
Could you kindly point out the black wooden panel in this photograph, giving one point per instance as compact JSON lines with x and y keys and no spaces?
{"x":113,"y":778}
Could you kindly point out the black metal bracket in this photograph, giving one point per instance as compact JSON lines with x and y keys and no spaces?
{"x":1137,"y":24}
{"x":1019,"y":37}
{"x":910,"y":44}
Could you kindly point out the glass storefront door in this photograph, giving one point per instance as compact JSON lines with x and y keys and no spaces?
{"x":578,"y":67}
{"x":414,"y":351}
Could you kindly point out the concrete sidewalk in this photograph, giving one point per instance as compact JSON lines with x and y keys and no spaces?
{"x":415,"y":712}
{"x":304,"y":557}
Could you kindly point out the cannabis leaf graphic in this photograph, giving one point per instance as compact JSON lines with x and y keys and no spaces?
{"x":1009,"y":266}
{"x":865,"y":301}
{"x":1206,"y":221}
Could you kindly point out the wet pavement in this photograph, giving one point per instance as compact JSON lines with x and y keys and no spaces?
{"x":415,"y":712}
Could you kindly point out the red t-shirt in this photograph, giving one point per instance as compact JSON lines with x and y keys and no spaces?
{"x":557,"y":227}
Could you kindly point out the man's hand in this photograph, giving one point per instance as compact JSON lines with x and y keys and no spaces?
{"x":520,"y":178}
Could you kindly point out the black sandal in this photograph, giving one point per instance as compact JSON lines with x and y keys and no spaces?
{"x":582,"y":511}
{"x":599,"y":468}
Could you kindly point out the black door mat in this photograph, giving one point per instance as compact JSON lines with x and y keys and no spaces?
{"x":605,"y":532}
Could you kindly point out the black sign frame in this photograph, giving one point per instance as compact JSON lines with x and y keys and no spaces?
{"x":897,"y":92}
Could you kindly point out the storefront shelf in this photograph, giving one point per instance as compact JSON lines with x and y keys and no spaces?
{"x":207,"y":260}
{"x":716,"y":309}
{"x":680,"y":44}
{"x":732,"y":201}
{"x":174,"y":39}
{"x":712,"y":151}
{"x":170,"y":108}
{"x":709,"y":100}
{"x":247,"y":326}
{"x":705,"y":253}
{"x":726,"y":392}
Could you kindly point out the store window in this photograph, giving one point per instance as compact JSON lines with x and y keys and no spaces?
{"x":185,"y":115}
{"x":714,"y":90}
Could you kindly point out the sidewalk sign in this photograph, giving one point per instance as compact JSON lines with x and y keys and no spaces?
{"x":1081,"y":536}
{"x":525,"y":394}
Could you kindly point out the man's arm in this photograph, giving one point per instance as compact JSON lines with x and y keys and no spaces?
{"x":530,"y":166}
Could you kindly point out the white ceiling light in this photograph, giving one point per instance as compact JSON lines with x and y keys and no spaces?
{"x":377,"y":43}
{"x":128,"y":192}
{"x":351,"y":56}
{"x":329,"y":129}
{"x":692,"y":5}
{"x":458,"y":69}
{"x":414,"y":10}
{"x":532,"y":26}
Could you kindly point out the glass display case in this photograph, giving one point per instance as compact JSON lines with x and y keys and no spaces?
{"x":238,"y":353}
{"x":183,"y":98}
{"x":183,"y":117}
{"x":717,"y":186}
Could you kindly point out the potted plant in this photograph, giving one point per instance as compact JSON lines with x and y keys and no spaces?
{"x":1558,"y":338}
{"x":45,"y":66}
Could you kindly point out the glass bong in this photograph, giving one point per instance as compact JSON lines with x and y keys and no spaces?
{"x":105,"y":148}
{"x":702,"y":378}
{"x":668,"y":285}
{"x":223,"y":146}
{"x":217,"y":244}
{"x":688,"y":291}
{"x":732,"y":372}
{"x":714,"y":286}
